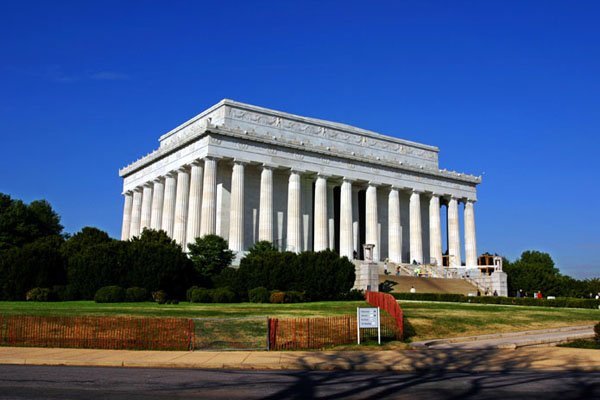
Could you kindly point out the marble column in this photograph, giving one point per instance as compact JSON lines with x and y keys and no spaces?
{"x":453,"y":233}
{"x":330,"y":216}
{"x":346,"y":247}
{"x":416,"y":237}
{"x":146,"y":207}
{"x":236,"y":223}
{"x":321,"y":227}
{"x":394,"y":226}
{"x":168,"y":213}
{"x":307,"y":213}
{"x":208,"y":219}
{"x":371,"y":220}
{"x":294,"y":226}
{"x":182,"y":198}
{"x":136,"y":213}
{"x":435,"y":231}
{"x":127,"y":215}
{"x":265,"y":213}
{"x":356,"y":242}
{"x":158,"y":194}
{"x":195,"y":202}
{"x":470,"y":241}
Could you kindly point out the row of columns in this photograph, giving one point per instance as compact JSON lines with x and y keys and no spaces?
{"x":184,"y":206}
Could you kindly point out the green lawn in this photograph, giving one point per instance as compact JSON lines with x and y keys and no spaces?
{"x":423,"y":320}
{"x":428,"y":320}
{"x":183,"y":309}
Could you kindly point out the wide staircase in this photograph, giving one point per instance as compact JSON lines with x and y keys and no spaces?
{"x":429,"y":285}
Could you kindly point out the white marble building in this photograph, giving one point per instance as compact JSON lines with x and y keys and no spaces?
{"x":248,"y":173}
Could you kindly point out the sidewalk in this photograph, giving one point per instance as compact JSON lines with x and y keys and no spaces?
{"x":511,"y":340}
{"x":547,"y":359}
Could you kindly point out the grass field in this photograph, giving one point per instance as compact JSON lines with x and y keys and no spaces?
{"x":423,"y":320}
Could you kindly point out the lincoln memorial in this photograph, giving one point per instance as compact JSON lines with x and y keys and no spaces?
{"x":248,"y":173}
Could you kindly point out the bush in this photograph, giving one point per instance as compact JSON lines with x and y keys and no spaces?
{"x":38,"y":294}
{"x":258,"y":295}
{"x":188,"y":293}
{"x":523,"y":301}
{"x":201,"y":295}
{"x":597,"y":332}
{"x":353,"y":295}
{"x":320,"y":276}
{"x":222,"y":295}
{"x":160,"y":296}
{"x":293,"y":296}
{"x":63,"y":293}
{"x":277,"y":297}
{"x":136,"y":294}
{"x":110,"y":294}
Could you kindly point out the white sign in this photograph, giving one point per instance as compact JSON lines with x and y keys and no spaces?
{"x":368,"y":318}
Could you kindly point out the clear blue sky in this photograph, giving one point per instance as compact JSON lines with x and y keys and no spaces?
{"x":506,"y":88}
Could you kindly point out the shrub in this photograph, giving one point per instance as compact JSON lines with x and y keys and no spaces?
{"x":258,"y":295}
{"x":597,"y":332}
{"x":526,"y":301}
{"x":201,"y":295}
{"x":387,"y":286}
{"x":136,"y":294}
{"x":277,"y":297}
{"x":222,"y":295}
{"x":160,"y":296}
{"x":110,"y":294}
{"x":188,"y":293}
{"x":353,"y":295}
{"x":38,"y":294}
{"x":321,"y":276}
{"x":63,"y":293}
{"x":293,"y":296}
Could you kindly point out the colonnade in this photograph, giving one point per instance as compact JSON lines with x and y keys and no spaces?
{"x":183,"y":204}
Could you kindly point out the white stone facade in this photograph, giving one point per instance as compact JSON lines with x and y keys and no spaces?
{"x":248,"y":173}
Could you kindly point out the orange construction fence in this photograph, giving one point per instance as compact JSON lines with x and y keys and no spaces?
{"x":97,"y":332}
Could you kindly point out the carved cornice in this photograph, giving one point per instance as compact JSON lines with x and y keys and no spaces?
{"x":209,"y":129}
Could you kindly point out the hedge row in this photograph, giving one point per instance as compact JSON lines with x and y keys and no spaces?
{"x":567,"y":302}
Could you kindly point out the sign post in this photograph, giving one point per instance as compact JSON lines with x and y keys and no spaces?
{"x":368,"y":318}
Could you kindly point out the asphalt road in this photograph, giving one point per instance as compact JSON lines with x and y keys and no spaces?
{"x":88,"y":383}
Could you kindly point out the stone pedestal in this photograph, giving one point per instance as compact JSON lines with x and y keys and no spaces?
{"x":367,"y":276}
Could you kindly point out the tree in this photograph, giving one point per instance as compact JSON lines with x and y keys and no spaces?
{"x":88,"y":236}
{"x":156,"y":236}
{"x":155,"y":261}
{"x":21,"y":223}
{"x":98,"y":265}
{"x":534,"y":271}
{"x":36,"y":264}
{"x":210,"y":255}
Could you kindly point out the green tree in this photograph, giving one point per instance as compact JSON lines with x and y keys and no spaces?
{"x":98,"y":265}
{"x":88,"y":236}
{"x":155,"y":261}
{"x":210,"y":255}
{"x":156,"y":236}
{"x":36,"y":264}
{"x":21,"y":223}
{"x":534,"y":271}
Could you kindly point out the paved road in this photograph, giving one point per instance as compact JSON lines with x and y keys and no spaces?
{"x":89,"y":383}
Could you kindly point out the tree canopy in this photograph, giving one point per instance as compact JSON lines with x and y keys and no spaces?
{"x":22,"y":223}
